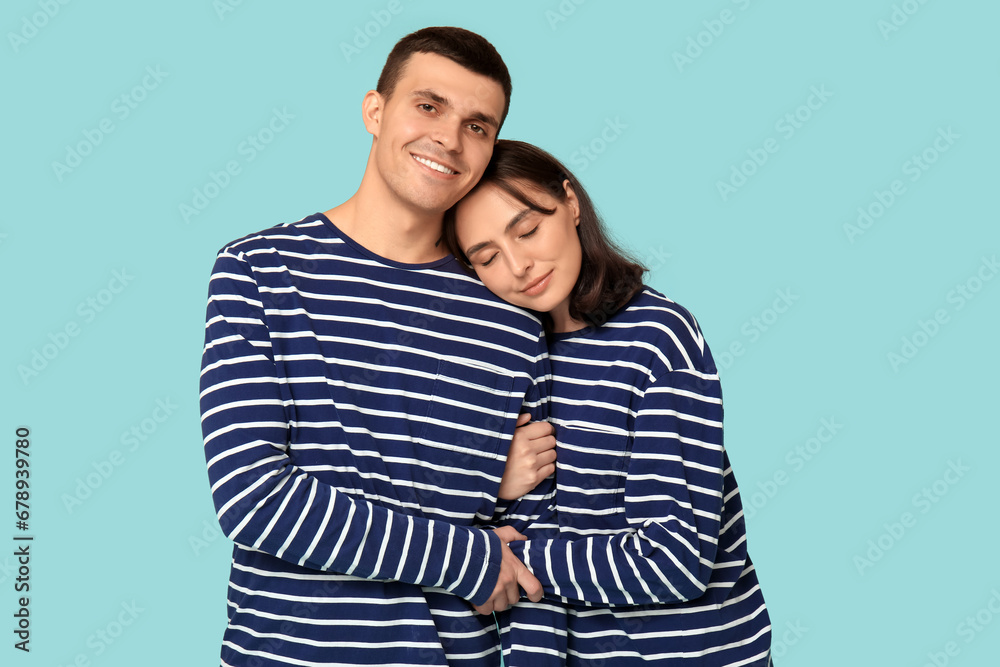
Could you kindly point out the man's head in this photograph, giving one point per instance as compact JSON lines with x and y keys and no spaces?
{"x":436,"y":122}
{"x":461,"y":46}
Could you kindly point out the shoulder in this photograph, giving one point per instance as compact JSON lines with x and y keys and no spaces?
{"x":451,"y":288}
{"x":310,"y":234}
{"x":655,"y":321}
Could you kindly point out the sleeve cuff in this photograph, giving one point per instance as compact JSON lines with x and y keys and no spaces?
{"x":491,"y":555}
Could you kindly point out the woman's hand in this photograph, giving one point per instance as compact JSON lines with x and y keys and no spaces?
{"x":532,"y":457}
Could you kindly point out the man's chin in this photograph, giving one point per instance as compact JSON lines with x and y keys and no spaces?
{"x":435,"y":206}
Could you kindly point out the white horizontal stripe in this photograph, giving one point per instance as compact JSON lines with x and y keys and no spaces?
{"x":235,"y":361}
{"x":241,"y":426}
{"x":712,"y":446}
{"x":257,"y":463}
{"x":394,"y":287}
{"x":632,"y":344}
{"x":389,"y":305}
{"x":590,"y":427}
{"x":616,"y":363}
{"x":680,"y":415}
{"x":302,"y":663}
{"x":661,"y":389}
{"x":222,"y":407}
{"x":567,"y":378}
{"x":237,"y":383}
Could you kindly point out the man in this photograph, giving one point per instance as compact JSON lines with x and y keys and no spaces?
{"x":359,"y":393}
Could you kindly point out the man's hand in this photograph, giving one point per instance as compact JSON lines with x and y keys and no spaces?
{"x":513,"y":574}
{"x":532,"y":458}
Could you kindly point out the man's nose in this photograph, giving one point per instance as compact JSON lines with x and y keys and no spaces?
{"x":448,"y":133}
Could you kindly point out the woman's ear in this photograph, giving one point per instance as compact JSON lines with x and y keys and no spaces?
{"x":572,"y":202}
{"x":371,"y":111}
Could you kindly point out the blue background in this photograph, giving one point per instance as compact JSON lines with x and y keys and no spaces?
{"x":653,"y":105}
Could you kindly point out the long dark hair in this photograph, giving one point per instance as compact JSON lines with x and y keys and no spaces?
{"x":609,"y":277}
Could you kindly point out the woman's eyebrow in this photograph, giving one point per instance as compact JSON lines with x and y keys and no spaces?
{"x":510,"y":225}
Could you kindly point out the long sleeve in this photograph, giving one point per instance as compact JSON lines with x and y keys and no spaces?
{"x":533,"y":514}
{"x":266,"y":503}
{"x":673,"y":504}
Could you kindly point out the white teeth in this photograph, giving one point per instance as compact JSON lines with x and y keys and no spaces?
{"x":434,"y":165}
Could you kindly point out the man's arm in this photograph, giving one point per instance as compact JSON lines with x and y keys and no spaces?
{"x":264,"y":502}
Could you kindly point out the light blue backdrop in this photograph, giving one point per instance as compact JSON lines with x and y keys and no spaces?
{"x":815,"y":181}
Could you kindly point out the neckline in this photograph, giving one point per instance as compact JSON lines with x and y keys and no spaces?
{"x":594,"y":329}
{"x":564,"y":335}
{"x":378,"y":258}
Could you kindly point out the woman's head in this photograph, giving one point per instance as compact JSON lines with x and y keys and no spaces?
{"x":532,"y":235}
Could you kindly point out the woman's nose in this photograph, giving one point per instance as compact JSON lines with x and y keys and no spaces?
{"x":520,"y":263}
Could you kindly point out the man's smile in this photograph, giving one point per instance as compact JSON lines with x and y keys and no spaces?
{"x":436,"y":166}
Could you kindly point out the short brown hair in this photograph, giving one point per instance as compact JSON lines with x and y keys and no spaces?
{"x":461,"y":46}
{"x":609,"y":277}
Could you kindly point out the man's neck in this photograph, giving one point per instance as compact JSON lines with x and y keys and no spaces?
{"x":382,"y":225}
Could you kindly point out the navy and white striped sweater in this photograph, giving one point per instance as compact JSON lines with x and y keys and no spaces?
{"x":356,"y":415}
{"x":650,"y":564}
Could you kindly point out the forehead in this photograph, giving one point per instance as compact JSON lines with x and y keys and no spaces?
{"x":463,"y":88}
{"x":486,"y":212}
{"x":491,"y":196}
{"x":487,"y":197}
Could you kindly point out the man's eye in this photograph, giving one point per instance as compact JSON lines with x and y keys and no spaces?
{"x":477,"y":129}
{"x":426,"y":107}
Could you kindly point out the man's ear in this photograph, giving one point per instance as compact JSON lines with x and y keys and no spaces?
{"x":371,"y":112}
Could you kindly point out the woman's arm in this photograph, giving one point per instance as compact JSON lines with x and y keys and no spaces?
{"x":673,"y":505}
{"x":531,"y":458}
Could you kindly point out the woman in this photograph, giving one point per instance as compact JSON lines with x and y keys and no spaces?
{"x":650,"y":562}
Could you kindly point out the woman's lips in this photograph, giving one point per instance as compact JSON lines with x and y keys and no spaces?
{"x":538,"y":286}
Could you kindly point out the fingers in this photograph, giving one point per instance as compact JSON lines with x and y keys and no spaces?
{"x":537,"y":429}
{"x":526,"y":580}
{"x":532,"y":448}
{"x":514,"y":577}
{"x":508,"y":534}
{"x":499,"y":601}
{"x":545,"y":457}
{"x":542,"y":452}
{"x":513,"y":594}
{"x":538,"y":440}
{"x":506,"y":592}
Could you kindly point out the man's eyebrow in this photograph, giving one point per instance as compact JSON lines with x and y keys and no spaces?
{"x":510,"y":225}
{"x":431,"y":95}
{"x":485,"y":119}
{"x":438,"y":98}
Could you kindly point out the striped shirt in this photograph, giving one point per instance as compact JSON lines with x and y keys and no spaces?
{"x":356,"y":415}
{"x":650,"y":564}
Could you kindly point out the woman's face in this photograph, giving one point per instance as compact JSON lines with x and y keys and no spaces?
{"x":525,"y":257}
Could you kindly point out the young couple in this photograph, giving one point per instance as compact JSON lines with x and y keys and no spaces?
{"x":360,"y":394}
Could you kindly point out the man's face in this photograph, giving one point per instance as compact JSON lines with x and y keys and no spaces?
{"x":435,"y":133}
